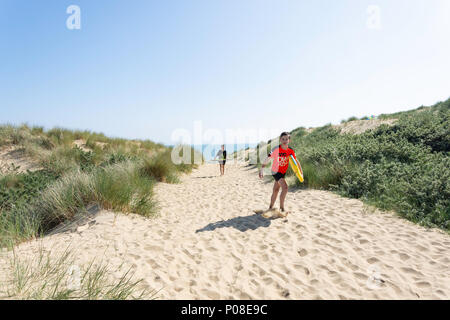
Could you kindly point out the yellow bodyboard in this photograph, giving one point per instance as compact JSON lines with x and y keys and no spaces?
{"x":295,"y":165}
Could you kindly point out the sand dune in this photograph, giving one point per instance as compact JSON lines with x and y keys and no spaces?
{"x":208,"y":243}
{"x":360,"y":126}
{"x":11,"y":157}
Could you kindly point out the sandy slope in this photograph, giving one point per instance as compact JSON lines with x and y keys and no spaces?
{"x":14,"y":156}
{"x":360,"y":126}
{"x":208,"y":244}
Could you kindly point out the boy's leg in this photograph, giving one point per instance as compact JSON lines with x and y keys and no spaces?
{"x":276,"y":188}
{"x":284,"y":190}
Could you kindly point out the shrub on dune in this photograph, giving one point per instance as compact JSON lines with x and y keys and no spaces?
{"x":114,"y":173}
{"x":120,"y":187}
{"x":162,"y":167}
{"x":17,"y":192}
{"x":65,"y":198}
{"x":159,"y":167}
{"x":403,"y":167}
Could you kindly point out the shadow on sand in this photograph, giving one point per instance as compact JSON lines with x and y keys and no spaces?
{"x":242,"y":224}
{"x":83,"y":218}
{"x":206,"y":177}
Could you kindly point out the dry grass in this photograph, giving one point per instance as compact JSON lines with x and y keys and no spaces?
{"x":56,"y":276}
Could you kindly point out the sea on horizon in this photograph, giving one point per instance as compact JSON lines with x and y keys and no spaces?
{"x":209,"y":151}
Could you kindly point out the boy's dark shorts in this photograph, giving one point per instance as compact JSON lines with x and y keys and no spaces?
{"x":222,"y":162}
{"x":278,"y":175}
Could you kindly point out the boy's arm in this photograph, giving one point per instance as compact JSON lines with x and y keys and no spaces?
{"x":264,"y":164}
{"x":271,"y":155}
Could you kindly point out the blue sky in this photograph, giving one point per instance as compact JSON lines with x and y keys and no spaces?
{"x":142,"y":68}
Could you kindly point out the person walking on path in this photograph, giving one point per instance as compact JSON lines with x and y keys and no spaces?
{"x":222,"y":155}
{"x":280,"y":156}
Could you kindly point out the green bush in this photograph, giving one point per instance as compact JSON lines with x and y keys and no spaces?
{"x":403,"y":167}
{"x":160,"y":168}
{"x":118,"y":157}
{"x":21,"y":189}
{"x":114,"y":173}
{"x":119,"y":187}
{"x":350,"y":119}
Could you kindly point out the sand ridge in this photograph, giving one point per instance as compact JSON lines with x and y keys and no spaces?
{"x":207,"y":243}
{"x":361,"y":126}
{"x":15,"y":157}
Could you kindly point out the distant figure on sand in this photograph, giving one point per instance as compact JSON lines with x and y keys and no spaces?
{"x":222,"y":155}
{"x":280,"y":156}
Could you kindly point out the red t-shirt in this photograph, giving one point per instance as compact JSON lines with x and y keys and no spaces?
{"x":281,"y":158}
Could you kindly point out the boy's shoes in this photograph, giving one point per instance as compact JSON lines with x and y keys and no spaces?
{"x":273,"y":213}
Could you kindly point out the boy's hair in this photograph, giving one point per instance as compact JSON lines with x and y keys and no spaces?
{"x":285,"y":134}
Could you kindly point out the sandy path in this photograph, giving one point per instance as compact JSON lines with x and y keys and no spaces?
{"x":208,"y":244}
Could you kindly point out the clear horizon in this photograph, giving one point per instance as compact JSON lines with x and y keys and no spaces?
{"x":146,"y":69}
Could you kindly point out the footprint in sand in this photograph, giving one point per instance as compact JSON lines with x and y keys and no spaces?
{"x":421,"y":248}
{"x":135,"y":256}
{"x":403,"y":256}
{"x":360,"y":276}
{"x":210,"y":294}
{"x":411,"y":271}
{"x":423,"y":285}
{"x":285,"y":293}
{"x":303,"y":268}
{"x":284,"y":236}
{"x":153,"y":248}
{"x":372,"y":260}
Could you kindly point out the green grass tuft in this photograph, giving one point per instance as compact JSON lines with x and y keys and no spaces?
{"x":56,"y":276}
{"x":114,"y":173}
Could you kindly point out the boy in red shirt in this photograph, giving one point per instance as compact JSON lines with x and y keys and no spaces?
{"x":280,"y":156}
